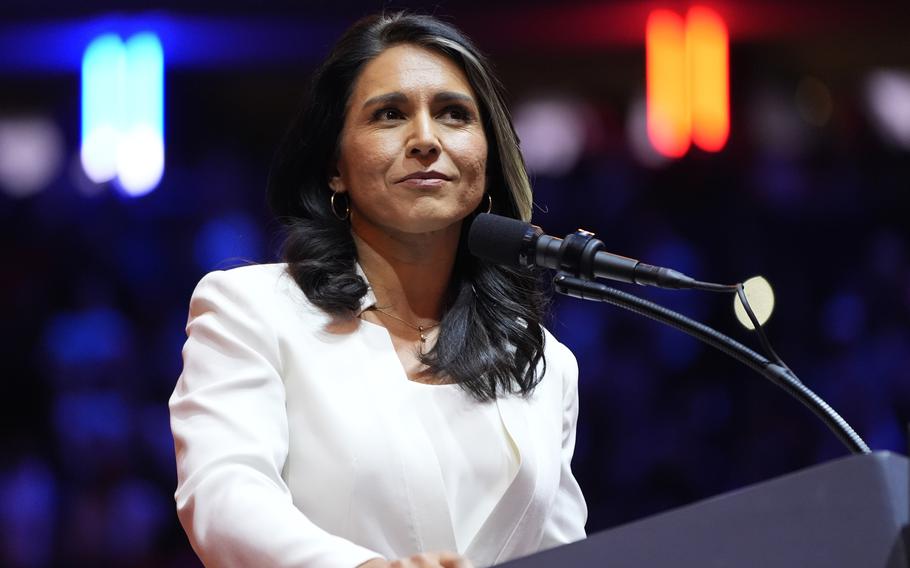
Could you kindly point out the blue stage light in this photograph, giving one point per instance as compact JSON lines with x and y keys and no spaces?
{"x":140,"y":156}
{"x":123,"y":112}
{"x":228,"y":241}
{"x":103,"y":65}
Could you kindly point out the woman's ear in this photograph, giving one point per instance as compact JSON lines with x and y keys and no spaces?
{"x":335,"y":181}
{"x":336,"y":184}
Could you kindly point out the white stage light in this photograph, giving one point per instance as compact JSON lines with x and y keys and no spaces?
{"x":761,"y":300}
{"x":31,"y":154}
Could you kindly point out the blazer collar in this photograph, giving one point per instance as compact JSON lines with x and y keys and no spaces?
{"x":369,"y":299}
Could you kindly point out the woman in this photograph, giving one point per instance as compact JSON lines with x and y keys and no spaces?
{"x":382,"y":398}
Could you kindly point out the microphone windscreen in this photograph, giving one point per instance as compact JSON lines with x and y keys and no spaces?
{"x":497,"y":239}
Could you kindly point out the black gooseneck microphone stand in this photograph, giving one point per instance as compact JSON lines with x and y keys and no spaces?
{"x":572,"y":280}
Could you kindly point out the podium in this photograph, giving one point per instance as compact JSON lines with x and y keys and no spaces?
{"x":852,"y":512}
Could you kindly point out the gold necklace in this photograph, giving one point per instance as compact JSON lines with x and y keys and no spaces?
{"x":420,"y":329}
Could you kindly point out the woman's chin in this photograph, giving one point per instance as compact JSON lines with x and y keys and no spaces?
{"x":432,"y":225}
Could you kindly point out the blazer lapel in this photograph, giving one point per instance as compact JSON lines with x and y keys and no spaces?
{"x":511,"y":524}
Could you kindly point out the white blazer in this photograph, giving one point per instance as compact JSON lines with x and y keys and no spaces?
{"x":294,"y":447}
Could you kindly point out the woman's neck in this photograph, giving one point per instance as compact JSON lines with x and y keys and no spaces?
{"x":409,"y":273}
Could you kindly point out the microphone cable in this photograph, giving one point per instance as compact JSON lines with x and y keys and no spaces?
{"x":740,"y":291}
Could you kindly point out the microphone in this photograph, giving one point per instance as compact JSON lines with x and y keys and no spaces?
{"x":510,"y":242}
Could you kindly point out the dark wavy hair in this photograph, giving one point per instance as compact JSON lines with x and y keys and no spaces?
{"x":490,"y":339}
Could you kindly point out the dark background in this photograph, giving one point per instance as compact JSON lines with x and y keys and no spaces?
{"x":812,"y":191}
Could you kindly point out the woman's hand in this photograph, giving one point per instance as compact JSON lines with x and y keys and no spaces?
{"x":425,"y":560}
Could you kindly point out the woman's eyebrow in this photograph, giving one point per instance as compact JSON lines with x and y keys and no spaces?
{"x":388,"y":98}
{"x":449,"y":96}
{"x":400,"y":98}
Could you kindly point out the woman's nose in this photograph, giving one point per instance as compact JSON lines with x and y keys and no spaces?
{"x":424,"y":140}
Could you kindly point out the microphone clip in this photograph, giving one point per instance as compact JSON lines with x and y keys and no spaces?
{"x":576,"y":255}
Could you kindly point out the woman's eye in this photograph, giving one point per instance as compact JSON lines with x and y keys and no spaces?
{"x":387,"y":114}
{"x":457,"y":113}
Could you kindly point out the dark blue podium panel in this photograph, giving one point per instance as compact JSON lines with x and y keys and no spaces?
{"x":852,"y":512}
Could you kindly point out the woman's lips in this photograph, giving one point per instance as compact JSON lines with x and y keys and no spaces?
{"x":424,"y":179}
{"x":423,"y":182}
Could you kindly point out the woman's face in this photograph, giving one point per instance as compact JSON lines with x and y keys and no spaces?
{"x":413,"y":152}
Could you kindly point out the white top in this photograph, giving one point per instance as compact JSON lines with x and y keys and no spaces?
{"x":477,"y":458}
{"x":297,"y":444}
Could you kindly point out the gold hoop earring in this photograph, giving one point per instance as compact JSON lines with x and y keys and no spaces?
{"x":347,"y":208}
{"x":489,"y":203}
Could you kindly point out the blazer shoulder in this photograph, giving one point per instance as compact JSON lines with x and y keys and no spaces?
{"x":556,"y":349}
{"x":260,"y":287}
{"x":561,"y":362}
{"x":247,"y":275}
{"x":250,"y":281}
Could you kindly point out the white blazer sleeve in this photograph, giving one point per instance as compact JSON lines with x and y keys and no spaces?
{"x":566,"y":521}
{"x":231,"y":439}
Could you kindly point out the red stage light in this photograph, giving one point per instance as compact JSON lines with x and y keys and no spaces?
{"x":707,"y":49}
{"x":669,"y":118}
{"x":687,"y":68}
